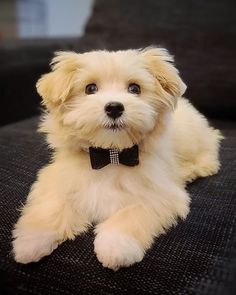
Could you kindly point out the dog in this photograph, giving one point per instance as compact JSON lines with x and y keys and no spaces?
{"x":125,"y":143}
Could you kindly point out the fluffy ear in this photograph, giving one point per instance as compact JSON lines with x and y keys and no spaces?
{"x":55,"y":86}
{"x":160,"y":64}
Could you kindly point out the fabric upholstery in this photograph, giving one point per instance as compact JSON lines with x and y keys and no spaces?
{"x":21,"y":66}
{"x":195,"y":257}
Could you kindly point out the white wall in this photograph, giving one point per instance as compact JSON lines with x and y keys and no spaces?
{"x":52,"y":18}
{"x":67,"y":17}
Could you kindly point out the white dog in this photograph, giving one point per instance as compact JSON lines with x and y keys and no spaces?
{"x":123,"y":152}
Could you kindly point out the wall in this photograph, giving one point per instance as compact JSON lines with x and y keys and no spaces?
{"x":67,"y":18}
{"x":43,"y":18}
{"x":8,"y":25}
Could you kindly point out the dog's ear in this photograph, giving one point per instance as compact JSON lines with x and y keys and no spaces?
{"x":55,"y":86}
{"x":160,"y":64}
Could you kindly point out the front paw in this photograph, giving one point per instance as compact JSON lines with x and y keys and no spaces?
{"x":115,"y":250}
{"x":31,"y":246}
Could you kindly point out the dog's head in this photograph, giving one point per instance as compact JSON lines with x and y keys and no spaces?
{"x":108,"y":99}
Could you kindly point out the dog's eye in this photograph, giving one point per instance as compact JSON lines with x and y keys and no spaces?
{"x":134,"y":88}
{"x":91,"y":88}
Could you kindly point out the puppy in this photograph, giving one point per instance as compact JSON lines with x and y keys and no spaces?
{"x":125,"y":143}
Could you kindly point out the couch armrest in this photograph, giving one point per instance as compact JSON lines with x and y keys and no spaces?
{"x":22,"y":63}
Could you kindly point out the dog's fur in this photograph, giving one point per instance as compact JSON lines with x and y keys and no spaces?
{"x":130,"y":205}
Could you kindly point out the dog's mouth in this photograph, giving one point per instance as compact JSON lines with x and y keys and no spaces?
{"x":115,"y":125}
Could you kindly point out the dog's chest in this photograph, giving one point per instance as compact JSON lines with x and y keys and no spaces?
{"x":104,"y":192}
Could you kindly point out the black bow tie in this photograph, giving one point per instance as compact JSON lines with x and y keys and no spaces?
{"x":100,"y":158}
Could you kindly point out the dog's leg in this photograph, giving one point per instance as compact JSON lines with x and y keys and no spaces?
{"x":204,"y":165}
{"x":204,"y":162}
{"x":47,"y":219}
{"x":123,"y":238}
{"x":196,"y":144}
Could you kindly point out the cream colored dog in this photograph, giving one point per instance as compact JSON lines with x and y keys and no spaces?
{"x":114,"y":101}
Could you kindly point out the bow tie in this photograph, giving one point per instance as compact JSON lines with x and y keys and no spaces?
{"x":100,"y":158}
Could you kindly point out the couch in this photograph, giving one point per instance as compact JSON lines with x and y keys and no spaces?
{"x":198,"y":256}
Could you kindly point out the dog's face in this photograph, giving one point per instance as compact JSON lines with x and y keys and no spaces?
{"x":108,"y":99}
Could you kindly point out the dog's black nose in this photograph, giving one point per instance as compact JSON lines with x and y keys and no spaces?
{"x":114,"y":109}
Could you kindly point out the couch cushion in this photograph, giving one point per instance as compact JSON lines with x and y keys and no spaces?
{"x":195,"y":257}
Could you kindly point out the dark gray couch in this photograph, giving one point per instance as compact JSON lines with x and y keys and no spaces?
{"x":199,"y":255}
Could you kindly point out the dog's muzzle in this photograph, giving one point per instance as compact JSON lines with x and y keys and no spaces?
{"x":114,"y":109}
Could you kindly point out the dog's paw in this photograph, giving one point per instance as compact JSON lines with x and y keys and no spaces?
{"x":115,"y":250}
{"x":31,"y":246}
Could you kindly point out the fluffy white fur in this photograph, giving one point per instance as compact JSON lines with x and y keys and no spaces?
{"x":130,"y":205}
